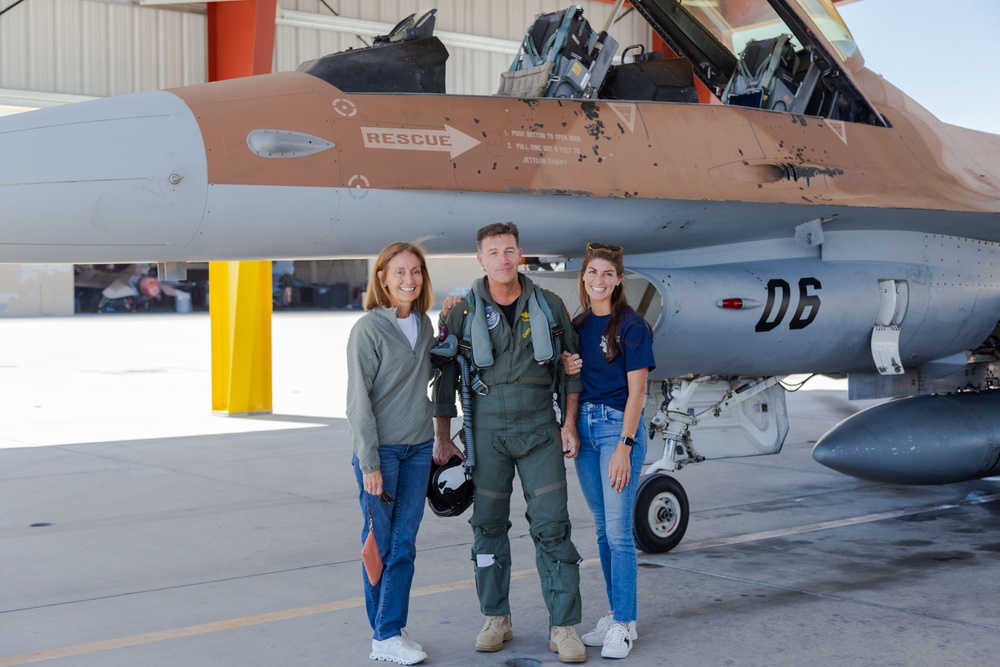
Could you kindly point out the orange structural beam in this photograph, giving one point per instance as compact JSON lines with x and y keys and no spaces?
{"x":240,"y":38}
{"x":240,"y":43}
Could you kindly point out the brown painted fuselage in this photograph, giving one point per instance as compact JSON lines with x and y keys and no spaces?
{"x":699,"y":171}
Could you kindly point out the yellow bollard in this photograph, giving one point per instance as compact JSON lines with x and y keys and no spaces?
{"x":240,"y":311}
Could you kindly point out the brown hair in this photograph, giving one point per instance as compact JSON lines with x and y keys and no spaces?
{"x":497,"y":229}
{"x":619,"y":305}
{"x":377,"y":297}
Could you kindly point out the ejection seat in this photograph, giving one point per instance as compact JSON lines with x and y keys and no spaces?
{"x":771,"y":74}
{"x":764,"y":76}
{"x":410,"y":59}
{"x":651,"y":77}
{"x":560,"y":56}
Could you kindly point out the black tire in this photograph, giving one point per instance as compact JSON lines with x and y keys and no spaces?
{"x":661,"y":514}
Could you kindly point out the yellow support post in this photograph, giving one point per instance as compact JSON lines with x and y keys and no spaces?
{"x":240,"y":310}
{"x":240,"y":43}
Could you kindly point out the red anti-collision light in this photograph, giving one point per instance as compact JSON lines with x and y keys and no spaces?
{"x":738,"y":303}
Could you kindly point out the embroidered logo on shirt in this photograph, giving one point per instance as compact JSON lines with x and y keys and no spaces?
{"x":604,"y":343}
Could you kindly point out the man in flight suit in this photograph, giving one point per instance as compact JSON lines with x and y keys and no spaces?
{"x":515,"y":427}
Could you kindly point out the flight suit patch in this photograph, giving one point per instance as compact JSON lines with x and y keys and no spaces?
{"x":492,"y":318}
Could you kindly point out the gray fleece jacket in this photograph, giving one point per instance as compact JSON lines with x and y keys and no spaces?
{"x":387,"y":400}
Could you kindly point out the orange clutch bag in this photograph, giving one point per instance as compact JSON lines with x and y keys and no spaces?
{"x":370,"y":555}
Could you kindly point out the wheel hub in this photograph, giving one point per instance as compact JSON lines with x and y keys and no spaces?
{"x":663,"y":514}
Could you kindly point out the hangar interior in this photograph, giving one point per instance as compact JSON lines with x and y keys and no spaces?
{"x":56,"y":52}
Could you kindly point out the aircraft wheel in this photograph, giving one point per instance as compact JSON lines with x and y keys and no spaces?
{"x":661,"y":514}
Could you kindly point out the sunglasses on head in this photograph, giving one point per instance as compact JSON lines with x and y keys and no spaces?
{"x":610,"y":247}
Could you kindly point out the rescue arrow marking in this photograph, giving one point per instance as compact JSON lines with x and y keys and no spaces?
{"x":839,"y":128}
{"x":449,"y":140}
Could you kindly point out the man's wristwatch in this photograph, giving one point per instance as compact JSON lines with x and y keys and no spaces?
{"x":626,"y":440}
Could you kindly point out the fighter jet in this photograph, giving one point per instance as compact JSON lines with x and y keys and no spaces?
{"x":783,"y":210}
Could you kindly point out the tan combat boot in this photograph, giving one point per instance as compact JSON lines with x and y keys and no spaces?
{"x":496,"y":631}
{"x":564,"y":641}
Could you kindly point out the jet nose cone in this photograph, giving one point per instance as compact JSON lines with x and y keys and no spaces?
{"x":117,"y":179}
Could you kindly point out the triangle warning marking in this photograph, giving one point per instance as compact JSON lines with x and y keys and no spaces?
{"x":627,"y":113}
{"x":839,"y":128}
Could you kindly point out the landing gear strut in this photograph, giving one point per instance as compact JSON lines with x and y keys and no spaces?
{"x":728,"y":417}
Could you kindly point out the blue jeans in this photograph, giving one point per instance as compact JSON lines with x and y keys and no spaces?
{"x":599,"y":427}
{"x":405,"y":471}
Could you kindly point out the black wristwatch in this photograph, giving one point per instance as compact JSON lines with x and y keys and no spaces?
{"x":627,"y":441}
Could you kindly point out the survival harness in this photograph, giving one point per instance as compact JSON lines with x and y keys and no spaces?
{"x":475,"y":351}
{"x":476,"y":346}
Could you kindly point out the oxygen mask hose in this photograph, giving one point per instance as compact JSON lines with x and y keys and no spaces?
{"x":470,"y":449}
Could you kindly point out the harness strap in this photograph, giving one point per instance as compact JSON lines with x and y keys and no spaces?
{"x":542,"y":382}
{"x":477,"y":333}
{"x":540,"y":318}
{"x":476,"y":344}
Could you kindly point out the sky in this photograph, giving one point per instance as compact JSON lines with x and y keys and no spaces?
{"x":945,"y":54}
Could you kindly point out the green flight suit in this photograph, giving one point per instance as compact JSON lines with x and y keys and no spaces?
{"x":515,"y":428}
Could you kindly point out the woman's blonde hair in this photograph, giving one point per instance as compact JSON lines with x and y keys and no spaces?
{"x":377,"y":297}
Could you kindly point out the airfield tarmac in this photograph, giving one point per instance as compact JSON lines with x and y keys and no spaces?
{"x":136,"y":528}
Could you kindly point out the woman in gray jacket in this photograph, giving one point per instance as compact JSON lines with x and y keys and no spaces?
{"x":390,"y":418}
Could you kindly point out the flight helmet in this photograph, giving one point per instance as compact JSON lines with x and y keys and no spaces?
{"x":449,"y":492}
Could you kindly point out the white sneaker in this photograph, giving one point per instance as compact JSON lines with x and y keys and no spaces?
{"x":618,"y":643}
{"x":410,"y":641}
{"x":596,"y":636}
{"x":394,"y":649}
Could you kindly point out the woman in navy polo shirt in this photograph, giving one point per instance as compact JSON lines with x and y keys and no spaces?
{"x":616,"y":355}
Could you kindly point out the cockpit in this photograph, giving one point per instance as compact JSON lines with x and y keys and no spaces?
{"x":796,"y":56}
{"x":791,"y":56}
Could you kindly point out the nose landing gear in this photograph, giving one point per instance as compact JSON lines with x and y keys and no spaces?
{"x":661,"y":513}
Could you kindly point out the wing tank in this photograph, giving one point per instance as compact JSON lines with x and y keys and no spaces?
{"x":918,"y":440}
